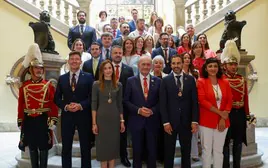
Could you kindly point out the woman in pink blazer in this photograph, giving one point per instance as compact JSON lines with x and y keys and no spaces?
{"x":215,"y":102}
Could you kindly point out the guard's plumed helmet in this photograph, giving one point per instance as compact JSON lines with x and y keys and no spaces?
{"x":33,"y":57}
{"x":230,"y":52}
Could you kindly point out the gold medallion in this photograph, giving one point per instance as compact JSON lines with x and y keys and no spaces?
{"x":180,"y":94}
{"x":110,"y":101}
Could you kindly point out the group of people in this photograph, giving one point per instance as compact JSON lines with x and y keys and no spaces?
{"x":143,"y":83}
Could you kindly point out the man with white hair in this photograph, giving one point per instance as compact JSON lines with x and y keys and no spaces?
{"x":142,"y":102}
{"x":191,"y":32}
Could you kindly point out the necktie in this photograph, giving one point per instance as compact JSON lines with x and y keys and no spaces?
{"x":117,"y":72}
{"x":145,"y":88}
{"x":73,"y":83}
{"x":95,"y":64}
{"x":114,"y":33}
{"x":82,"y":29}
{"x":166,"y":56}
{"x":178,"y":81}
{"x":107,"y":53}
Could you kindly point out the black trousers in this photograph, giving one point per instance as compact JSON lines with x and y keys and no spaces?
{"x":185,"y":137}
{"x":36,"y":132}
{"x":81,"y":121}
{"x":237,"y":132}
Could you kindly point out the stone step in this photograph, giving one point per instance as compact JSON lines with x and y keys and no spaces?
{"x":76,"y":150}
{"x":55,"y":162}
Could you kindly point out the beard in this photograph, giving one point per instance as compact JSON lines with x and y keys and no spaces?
{"x":126,"y":32}
{"x":82,"y":21}
{"x":165,"y":45}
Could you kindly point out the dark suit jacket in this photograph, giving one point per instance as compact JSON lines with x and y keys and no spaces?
{"x":82,"y":94}
{"x":132,"y":25}
{"x":126,"y":72}
{"x":88,"y":67}
{"x":159,"y":51}
{"x":88,"y":36}
{"x":118,"y":33}
{"x":134,"y":99}
{"x":178,"y":110}
{"x":118,"y":41}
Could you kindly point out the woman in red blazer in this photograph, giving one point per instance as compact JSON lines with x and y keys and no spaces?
{"x":215,"y":102}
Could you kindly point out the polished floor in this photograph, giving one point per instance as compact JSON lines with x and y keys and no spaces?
{"x":9,"y":142}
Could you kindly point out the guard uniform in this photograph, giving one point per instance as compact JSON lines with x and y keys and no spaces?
{"x":238,"y":119}
{"x":36,"y":110}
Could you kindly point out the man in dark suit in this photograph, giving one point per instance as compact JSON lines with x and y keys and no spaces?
{"x":114,"y":25}
{"x":142,"y":102}
{"x":92,"y":65}
{"x":122,"y":73}
{"x":132,"y":23}
{"x":179,"y":112}
{"x":106,"y":48}
{"x":124,"y":29}
{"x":83,"y":31}
{"x":73,"y":96}
{"x":165,"y":51}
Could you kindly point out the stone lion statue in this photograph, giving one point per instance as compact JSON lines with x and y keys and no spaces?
{"x":42,"y":35}
{"x":232,"y":30}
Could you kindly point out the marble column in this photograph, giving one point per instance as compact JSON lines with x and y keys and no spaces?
{"x":84,"y":6}
{"x":179,"y":13}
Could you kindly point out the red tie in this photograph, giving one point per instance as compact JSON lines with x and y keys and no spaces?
{"x":114,"y":34}
{"x":73,"y":82}
{"x":117,"y":72}
{"x":145,"y":88}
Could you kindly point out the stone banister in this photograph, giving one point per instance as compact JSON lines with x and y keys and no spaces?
{"x":204,"y":14}
{"x":63,"y":12}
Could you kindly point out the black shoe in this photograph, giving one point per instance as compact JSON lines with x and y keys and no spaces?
{"x":125,"y":162}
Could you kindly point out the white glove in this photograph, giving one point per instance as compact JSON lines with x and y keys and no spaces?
{"x":53,"y":127}
{"x":20,"y":128}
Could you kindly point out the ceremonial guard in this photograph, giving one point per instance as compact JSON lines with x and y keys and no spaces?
{"x":37,"y":113}
{"x":239,"y":114}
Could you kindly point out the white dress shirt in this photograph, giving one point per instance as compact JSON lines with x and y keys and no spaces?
{"x":136,"y":33}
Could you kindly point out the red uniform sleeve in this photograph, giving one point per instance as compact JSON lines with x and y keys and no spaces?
{"x":229,"y":104}
{"x":246,"y":106}
{"x":21,"y":107}
{"x":54,"y":112}
{"x":202,"y":94}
